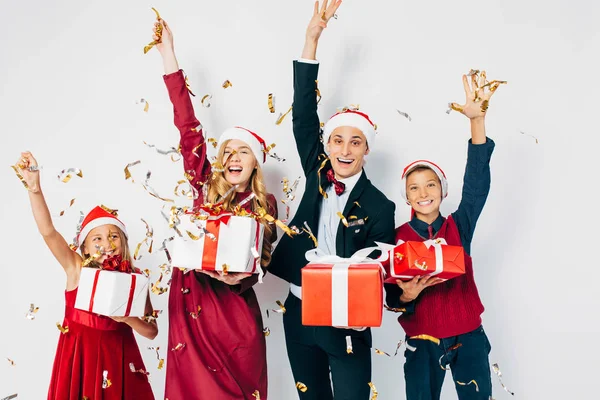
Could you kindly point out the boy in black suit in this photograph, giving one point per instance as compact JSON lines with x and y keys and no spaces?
{"x":336,"y":183}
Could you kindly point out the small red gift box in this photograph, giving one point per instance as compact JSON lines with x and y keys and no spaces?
{"x":343,"y":293}
{"x":432,"y":257}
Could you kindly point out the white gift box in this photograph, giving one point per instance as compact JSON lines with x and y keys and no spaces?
{"x":237,"y":243}
{"x":111,"y":293}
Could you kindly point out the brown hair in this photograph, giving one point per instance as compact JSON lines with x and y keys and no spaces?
{"x":218,"y":187}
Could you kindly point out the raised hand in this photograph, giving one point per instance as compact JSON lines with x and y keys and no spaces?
{"x":478,"y":93}
{"x":411,"y":289}
{"x":321,"y":16}
{"x":162,"y":34}
{"x":27,"y":166}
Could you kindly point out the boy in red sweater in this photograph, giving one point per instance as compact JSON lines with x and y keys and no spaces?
{"x":442,"y":320}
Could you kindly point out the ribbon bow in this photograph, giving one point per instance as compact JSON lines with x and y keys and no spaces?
{"x":116,"y":263}
{"x":340,"y":187}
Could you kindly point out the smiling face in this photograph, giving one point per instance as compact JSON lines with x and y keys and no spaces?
{"x":424,"y":193}
{"x":239,"y":163}
{"x":347,"y":149}
{"x":108,"y":237}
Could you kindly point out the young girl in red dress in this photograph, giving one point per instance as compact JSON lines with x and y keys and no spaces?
{"x":225,"y":351}
{"x":94,"y":354}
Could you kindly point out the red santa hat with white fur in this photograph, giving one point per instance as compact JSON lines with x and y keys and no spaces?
{"x":97,"y":217}
{"x":255,"y":142}
{"x":428,"y":164}
{"x":353,"y":118}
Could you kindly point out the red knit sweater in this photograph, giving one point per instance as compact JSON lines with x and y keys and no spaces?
{"x":449,"y":308}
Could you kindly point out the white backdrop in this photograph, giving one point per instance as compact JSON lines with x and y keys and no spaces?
{"x":72,"y":72}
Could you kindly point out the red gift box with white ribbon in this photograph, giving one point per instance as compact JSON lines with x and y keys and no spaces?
{"x":342,"y":292}
{"x":431,"y":257}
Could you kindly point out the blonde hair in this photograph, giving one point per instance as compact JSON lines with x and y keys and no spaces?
{"x":218,"y":187}
{"x":125,"y":253}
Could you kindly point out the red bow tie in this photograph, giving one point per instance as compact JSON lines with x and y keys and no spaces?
{"x":116,"y":263}
{"x":340,"y":187}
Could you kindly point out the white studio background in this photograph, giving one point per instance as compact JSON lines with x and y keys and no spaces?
{"x":71,"y":73}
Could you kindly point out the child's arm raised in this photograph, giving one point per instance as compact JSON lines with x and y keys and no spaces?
{"x":477,"y":179}
{"x":193,"y":146}
{"x":68,"y":259}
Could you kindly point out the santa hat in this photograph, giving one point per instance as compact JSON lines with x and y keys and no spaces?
{"x":351,"y":118}
{"x":255,"y":142}
{"x":97,"y":217}
{"x":428,"y":164}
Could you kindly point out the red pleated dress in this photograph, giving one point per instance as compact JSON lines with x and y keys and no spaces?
{"x":92,"y":345}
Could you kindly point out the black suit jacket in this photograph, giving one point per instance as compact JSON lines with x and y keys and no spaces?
{"x":366,"y":203}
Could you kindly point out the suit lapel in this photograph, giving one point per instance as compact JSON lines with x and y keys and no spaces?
{"x":340,"y":241}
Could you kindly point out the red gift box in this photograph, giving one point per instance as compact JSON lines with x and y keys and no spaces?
{"x":432,"y":257}
{"x":344,"y":293}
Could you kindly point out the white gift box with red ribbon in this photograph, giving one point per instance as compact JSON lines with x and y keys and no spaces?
{"x":112,"y":293}
{"x":228,"y":240}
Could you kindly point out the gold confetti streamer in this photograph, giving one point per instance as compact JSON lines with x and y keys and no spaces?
{"x":153,"y":316}
{"x":32,"y":311}
{"x":349,"y":349}
{"x":374,"y":390}
{"x":146,"y":104}
{"x":188,"y":87}
{"x":206,"y":100}
{"x":161,"y":363}
{"x":456,"y":346}
{"x":158,"y":34}
{"x":127,"y":172}
{"x":213,"y":141}
{"x":266,"y":331}
{"x":106,"y":383}
{"x":405,"y":115}
{"x":472,"y":381}
{"x":225,"y":268}
{"x":499,"y":375}
{"x":426,"y":337}
{"x":196,"y":314}
{"x":273,"y":155}
{"x":281,"y":310}
{"x":62,"y":212}
{"x":382,"y":353}
{"x":66,"y":174}
{"x":178,"y":347}
{"x":138,"y":371}
{"x":527,"y":134}
{"x":157,"y":289}
{"x":271,"y":103}
{"x":318,"y":92}
{"x":227,"y":84}
{"x":11,"y":362}
{"x":308,"y":231}
{"x":282,"y":116}
{"x":20,"y":177}
{"x":396,"y":310}
{"x":263,"y":214}
{"x":149,"y":237}
{"x":256,"y":394}
{"x":301,"y":387}
{"x":344,"y":220}
{"x":93,"y":257}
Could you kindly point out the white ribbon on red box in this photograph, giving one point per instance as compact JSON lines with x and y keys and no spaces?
{"x":439,"y":255}
{"x":339,"y":277}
